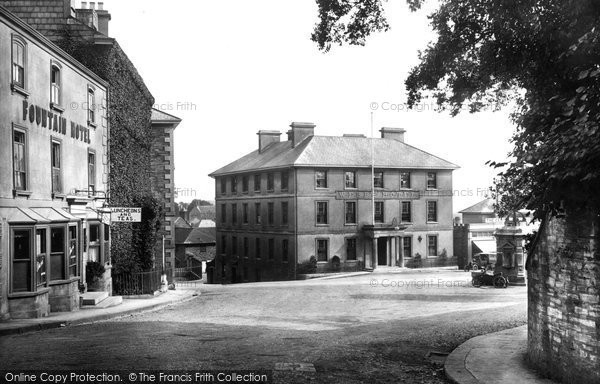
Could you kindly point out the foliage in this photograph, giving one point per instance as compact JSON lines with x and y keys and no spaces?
{"x":94,"y":271}
{"x":543,"y":54}
{"x":307,"y":267}
{"x":335,"y":263}
{"x":130,"y":150}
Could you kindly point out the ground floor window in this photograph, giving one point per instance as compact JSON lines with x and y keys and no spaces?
{"x":322,"y":249}
{"x":407,"y":246}
{"x":57,"y":254}
{"x":21,"y":260}
{"x":350,"y":249}
{"x":41,"y":241}
{"x":432,"y":245}
{"x":285,"y":250}
{"x":94,"y":244}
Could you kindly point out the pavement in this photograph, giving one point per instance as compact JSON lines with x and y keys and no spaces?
{"x":90,"y":315}
{"x":493,"y":359}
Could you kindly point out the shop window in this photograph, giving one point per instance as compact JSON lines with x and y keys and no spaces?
{"x":379,"y":212}
{"x":350,"y":179}
{"x":350,"y":212}
{"x":432,"y":211}
{"x":322,"y":213}
{"x":55,"y":85}
{"x":19,"y":55}
{"x":321,"y":179}
{"x":20,"y":161}
{"x":21,"y":260}
{"x":91,"y":173}
{"x":57,"y":254}
{"x":56,"y":167}
{"x":285,"y":250}
{"x":106,"y":249}
{"x":350,"y":249}
{"x":284,"y":213}
{"x":432,"y":245}
{"x":94,"y":245}
{"x":405,"y":180}
{"x":73,"y":251}
{"x":406,"y":216}
{"x":407,"y":246}
{"x":322,"y":249}
{"x":431,"y":180}
{"x":285,"y":181}
{"x":378,"y":179}
{"x":41,"y":242}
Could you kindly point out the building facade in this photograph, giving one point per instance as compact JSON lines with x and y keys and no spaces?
{"x":53,"y":173}
{"x":163,"y":165}
{"x":350,"y":203}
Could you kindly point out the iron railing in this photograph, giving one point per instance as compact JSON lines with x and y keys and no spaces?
{"x":139,"y":283}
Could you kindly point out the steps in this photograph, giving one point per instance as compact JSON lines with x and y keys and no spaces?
{"x":94,"y":300}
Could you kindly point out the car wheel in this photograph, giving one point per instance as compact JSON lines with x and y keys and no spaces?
{"x":500,"y":282}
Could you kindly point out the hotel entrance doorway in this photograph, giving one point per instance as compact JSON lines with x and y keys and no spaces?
{"x":382,"y":249}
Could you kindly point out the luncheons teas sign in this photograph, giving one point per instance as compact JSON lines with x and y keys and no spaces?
{"x":125,"y":215}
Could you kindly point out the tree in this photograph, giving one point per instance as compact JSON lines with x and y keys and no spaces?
{"x":544,"y":54}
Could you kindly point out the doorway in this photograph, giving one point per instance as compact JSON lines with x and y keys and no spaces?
{"x":382,"y":248}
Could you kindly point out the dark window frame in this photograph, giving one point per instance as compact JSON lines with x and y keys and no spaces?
{"x":429,"y":246}
{"x":354,"y":218}
{"x":432,"y":180}
{"x":322,"y":217}
{"x":321,"y":179}
{"x":351,"y":251}
{"x":354,"y":184}
{"x":318,"y":242}
{"x":406,"y":214}
{"x":405,"y":180}
{"x":381,"y":183}
{"x":379,"y":217}
{"x":432,"y":217}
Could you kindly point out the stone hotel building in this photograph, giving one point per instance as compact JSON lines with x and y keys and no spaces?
{"x":53,"y":173}
{"x":351,"y":202}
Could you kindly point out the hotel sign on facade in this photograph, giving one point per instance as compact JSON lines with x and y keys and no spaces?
{"x":389,"y":195}
{"x":54,"y":122}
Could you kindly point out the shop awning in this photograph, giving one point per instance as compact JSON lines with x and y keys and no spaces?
{"x":484,"y":246}
{"x":54,"y":215}
{"x":16,"y":215}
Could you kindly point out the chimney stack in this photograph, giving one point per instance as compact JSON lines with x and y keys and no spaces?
{"x":266,"y":138}
{"x":103,"y":19}
{"x":393,"y":133}
{"x":300,"y":131}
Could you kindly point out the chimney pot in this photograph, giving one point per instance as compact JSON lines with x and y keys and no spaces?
{"x":84,"y":5}
{"x":393,"y":133}
{"x":92,"y":5}
{"x":301,"y":131}
{"x":266,"y":138}
{"x":101,"y":6}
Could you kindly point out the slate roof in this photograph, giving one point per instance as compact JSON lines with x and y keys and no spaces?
{"x":336,"y":151}
{"x":485,"y":206}
{"x":202,"y":236}
{"x":181,"y":234}
{"x":181,"y":223}
{"x":160,"y":116}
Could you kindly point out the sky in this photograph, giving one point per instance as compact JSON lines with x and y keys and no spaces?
{"x":230,"y":68}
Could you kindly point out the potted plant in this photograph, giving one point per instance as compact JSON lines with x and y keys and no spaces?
{"x":94,"y":271}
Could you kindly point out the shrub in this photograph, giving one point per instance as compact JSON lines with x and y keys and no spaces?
{"x":94,"y":271}
{"x":335,"y":263}
{"x":307,"y":267}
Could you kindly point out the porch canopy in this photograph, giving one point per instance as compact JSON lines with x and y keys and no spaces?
{"x":33,"y":216}
{"x":384,"y":230}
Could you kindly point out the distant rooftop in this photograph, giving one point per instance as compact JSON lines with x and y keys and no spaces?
{"x":484,"y":206}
